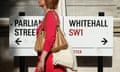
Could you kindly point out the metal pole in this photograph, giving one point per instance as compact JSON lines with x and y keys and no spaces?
{"x":23,"y":67}
{"x":100,"y":58}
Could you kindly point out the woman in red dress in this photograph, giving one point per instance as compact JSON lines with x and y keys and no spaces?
{"x":45,"y":58}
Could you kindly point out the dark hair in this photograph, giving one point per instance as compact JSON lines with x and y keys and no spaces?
{"x":51,"y":4}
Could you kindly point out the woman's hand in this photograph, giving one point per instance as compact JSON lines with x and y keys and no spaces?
{"x":41,"y":65}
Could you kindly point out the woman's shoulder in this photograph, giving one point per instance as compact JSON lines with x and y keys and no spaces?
{"x":51,"y":13}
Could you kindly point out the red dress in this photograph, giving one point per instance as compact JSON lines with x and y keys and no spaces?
{"x":50,"y":29}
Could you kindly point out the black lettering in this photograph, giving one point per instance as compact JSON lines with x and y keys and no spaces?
{"x":25,"y":32}
{"x":72,"y":23}
{"x":16,"y":22}
{"x":25,"y":22}
{"x":33,"y":32}
{"x":16,"y":32}
{"x":105,"y":22}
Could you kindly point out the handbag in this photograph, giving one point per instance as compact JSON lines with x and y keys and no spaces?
{"x":65,"y":58}
{"x":60,"y":41}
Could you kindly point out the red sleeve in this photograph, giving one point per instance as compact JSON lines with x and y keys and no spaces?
{"x":50,"y":29}
{"x":38,"y":28}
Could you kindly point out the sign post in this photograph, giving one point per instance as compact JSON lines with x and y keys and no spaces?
{"x":100,"y":58}
{"x":21,"y":58}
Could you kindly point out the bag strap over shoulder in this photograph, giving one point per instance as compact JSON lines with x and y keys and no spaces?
{"x":56,"y":19}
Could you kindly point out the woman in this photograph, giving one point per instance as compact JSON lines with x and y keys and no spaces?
{"x":45,"y":63}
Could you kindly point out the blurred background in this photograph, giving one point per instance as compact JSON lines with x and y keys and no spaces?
{"x":72,"y":7}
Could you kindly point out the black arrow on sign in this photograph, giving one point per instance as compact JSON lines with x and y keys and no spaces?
{"x":17,"y":41}
{"x":104,"y":41}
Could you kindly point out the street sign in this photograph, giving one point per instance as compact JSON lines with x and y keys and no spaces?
{"x":89,"y":35}
{"x":22,"y":34}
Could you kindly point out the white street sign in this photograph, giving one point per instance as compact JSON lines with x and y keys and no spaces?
{"x":88,"y":35}
{"x":22,"y":34}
